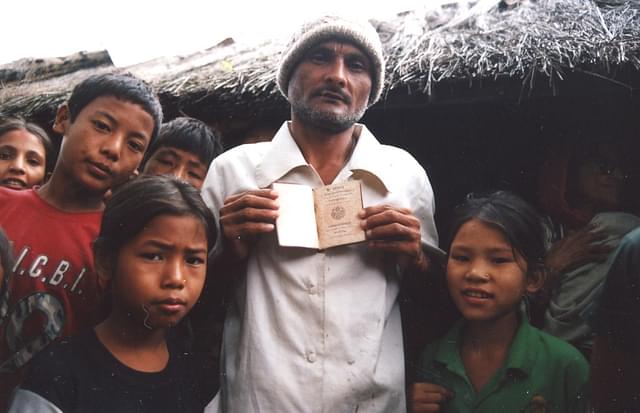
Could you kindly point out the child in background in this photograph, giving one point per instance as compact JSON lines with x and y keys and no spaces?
{"x":493,"y":360}
{"x":584,"y":189}
{"x":152,"y":251}
{"x":185,"y":148}
{"x":24,"y":150}
{"x":107,"y":124}
{"x":6,"y":263}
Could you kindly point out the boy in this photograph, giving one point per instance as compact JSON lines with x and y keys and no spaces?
{"x":107,"y":124}
{"x":185,"y":147}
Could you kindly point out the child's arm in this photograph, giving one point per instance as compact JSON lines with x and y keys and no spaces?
{"x":428,"y":397}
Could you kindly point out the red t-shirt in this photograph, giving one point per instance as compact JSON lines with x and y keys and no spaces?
{"x":53,"y":289}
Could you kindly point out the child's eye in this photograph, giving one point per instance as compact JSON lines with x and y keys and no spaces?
{"x":34,"y":162}
{"x":151,"y":256}
{"x":5,"y":155}
{"x":163,"y":161}
{"x":101,"y":126}
{"x":501,"y":260}
{"x":195,"y":175}
{"x":459,"y":257}
{"x":195,"y":260}
{"x":136,"y":146}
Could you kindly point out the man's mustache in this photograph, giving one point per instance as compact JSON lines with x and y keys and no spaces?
{"x":333,"y":92}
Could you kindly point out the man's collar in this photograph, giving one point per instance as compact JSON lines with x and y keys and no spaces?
{"x":285,"y":155}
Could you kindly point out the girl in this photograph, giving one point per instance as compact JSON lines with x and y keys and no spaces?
{"x":152,"y":254}
{"x":24,"y":148}
{"x":493,"y":360}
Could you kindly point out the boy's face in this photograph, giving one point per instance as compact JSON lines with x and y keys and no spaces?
{"x":486,"y":280}
{"x":104,"y":145}
{"x":160,"y":273}
{"x":184,"y":165}
{"x":22,"y":160}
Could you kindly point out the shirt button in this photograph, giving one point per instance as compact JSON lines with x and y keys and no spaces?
{"x":311,"y":356}
{"x":311,"y":288}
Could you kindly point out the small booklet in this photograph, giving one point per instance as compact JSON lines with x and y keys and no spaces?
{"x":319,"y":218}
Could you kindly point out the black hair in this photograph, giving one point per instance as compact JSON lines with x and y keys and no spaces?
{"x":513,"y":216}
{"x":187,"y":134}
{"x":14,"y":123}
{"x":123,"y":86}
{"x":6,"y":260}
{"x":134,"y":204}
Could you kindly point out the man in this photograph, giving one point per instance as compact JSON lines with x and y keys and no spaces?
{"x":310,"y":330}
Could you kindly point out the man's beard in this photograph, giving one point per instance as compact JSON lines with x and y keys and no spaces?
{"x":326,"y":121}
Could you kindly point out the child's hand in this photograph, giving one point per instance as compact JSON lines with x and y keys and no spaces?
{"x":428,"y":397}
{"x":395,"y":230}
{"x":246,"y":215}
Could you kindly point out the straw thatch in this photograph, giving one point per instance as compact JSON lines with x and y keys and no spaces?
{"x":486,"y":41}
{"x":552,"y":38}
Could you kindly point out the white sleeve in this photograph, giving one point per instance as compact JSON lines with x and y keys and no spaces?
{"x":213,"y":198}
{"x":25,"y":401}
{"x":424,"y":208}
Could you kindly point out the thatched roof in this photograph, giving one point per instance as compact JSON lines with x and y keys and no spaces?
{"x":552,"y":38}
{"x":485,"y":42}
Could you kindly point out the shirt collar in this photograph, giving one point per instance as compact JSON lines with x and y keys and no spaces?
{"x":522,"y":354}
{"x":284,"y":155}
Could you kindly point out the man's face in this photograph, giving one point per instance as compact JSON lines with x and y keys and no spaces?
{"x":330,"y":87}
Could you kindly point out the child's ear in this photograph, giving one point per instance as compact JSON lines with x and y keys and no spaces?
{"x":535,"y":281}
{"x":61,"y":123}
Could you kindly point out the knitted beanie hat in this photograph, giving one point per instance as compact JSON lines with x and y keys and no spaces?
{"x":360,"y":33}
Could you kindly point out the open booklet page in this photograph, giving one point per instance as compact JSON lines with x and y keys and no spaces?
{"x":319,"y":218}
{"x":296,"y":222}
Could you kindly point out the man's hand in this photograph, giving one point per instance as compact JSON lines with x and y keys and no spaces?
{"x":576,"y":250}
{"x":395,"y":230}
{"x":428,"y":397}
{"x":246,"y":215}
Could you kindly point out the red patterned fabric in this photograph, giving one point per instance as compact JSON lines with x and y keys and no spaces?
{"x":53,"y":290}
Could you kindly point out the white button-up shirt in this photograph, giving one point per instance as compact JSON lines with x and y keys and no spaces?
{"x":309,"y":330}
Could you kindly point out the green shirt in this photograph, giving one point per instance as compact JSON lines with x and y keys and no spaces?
{"x":541,"y":374}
